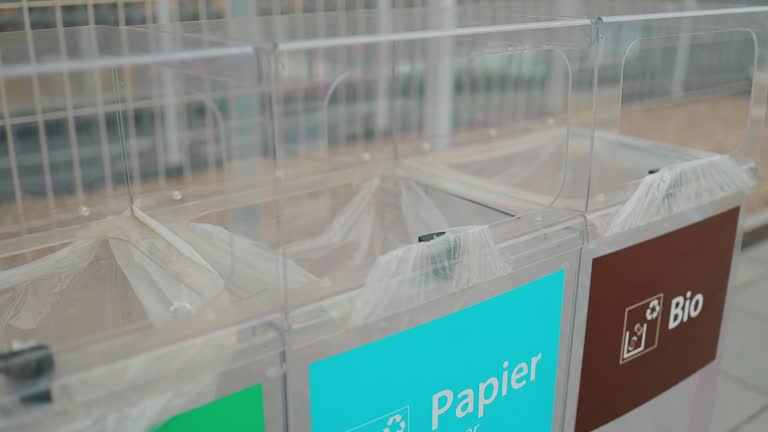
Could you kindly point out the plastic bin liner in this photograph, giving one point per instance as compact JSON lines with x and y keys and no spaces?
{"x":169,"y":274}
{"x":377,"y":232}
{"x":164,"y":278}
{"x":677,"y":188}
{"x":367,"y":225}
{"x":415,"y":274}
{"x":519,"y":175}
{"x":252,"y":267}
{"x":165,"y":273}
{"x":29,"y":290}
{"x":173,"y":270}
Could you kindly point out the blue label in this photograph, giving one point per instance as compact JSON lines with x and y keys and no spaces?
{"x":490,"y":367}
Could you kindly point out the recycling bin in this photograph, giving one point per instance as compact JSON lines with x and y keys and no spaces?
{"x":411,"y":302}
{"x":111,"y":321}
{"x":678,"y":125}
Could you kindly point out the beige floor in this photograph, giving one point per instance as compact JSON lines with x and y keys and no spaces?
{"x":742,"y":400}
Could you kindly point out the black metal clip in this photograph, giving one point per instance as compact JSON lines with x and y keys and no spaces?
{"x":444,"y":260}
{"x":29,"y":369}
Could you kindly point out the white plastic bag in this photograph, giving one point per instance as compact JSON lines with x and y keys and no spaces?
{"x":415,"y":274}
{"x":678,"y":188}
{"x":28,"y":292}
{"x":385,"y":213}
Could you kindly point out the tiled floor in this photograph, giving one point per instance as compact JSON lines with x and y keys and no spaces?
{"x":742,"y":400}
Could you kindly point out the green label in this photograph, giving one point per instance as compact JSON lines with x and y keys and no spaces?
{"x":241,"y":411}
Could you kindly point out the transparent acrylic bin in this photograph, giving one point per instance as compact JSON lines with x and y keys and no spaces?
{"x":109,"y":321}
{"x":678,"y":128}
{"x":364,"y":109}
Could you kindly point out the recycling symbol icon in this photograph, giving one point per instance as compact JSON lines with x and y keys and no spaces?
{"x":653,"y":310}
{"x":395,"y":424}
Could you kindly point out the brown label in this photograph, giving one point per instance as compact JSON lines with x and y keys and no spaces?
{"x":654,"y":316}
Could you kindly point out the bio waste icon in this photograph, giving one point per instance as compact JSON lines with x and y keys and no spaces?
{"x":642,"y":322}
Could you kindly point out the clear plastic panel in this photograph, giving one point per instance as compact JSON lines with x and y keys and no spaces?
{"x":675,"y":89}
{"x":200,"y":129}
{"x":101,"y":302}
{"x":67,"y":120}
{"x":517,"y":107}
{"x":51,"y":177}
{"x":389,"y":84}
{"x":485,"y":107}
